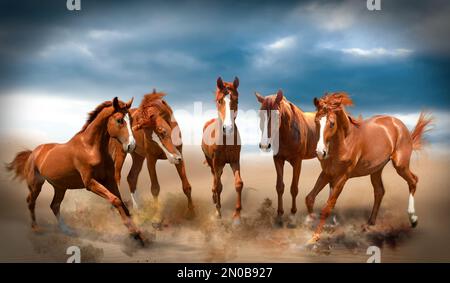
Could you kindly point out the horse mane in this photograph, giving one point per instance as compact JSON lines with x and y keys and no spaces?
{"x":94,"y":113}
{"x":153,"y":101}
{"x":336,"y":101}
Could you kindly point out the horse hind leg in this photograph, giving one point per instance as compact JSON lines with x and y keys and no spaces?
{"x":378,"y":191}
{"x":401,"y":165}
{"x":34,"y":185}
{"x":55,"y":206}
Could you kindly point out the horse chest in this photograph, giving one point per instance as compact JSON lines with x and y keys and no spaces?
{"x":227,"y":154}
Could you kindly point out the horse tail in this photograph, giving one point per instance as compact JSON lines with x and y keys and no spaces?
{"x":422,"y":126}
{"x":18,"y":165}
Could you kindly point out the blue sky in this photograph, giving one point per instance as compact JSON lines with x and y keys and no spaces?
{"x":391,"y":61}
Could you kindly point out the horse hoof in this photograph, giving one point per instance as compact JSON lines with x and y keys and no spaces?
{"x":236,"y":221}
{"x":190,"y":214}
{"x":138,"y":236}
{"x":279,"y":221}
{"x":157,"y":225}
{"x":36,"y":229}
{"x":366,"y":227}
{"x":292,"y":222}
{"x":67,"y":231}
{"x":310,"y":218}
{"x":313,"y":241}
{"x":413,"y":219}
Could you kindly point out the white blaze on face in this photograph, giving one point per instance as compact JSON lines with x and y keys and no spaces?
{"x":265,"y":141}
{"x":321,"y":143}
{"x":228,"y":121}
{"x":131,"y":142}
{"x":171,"y":157}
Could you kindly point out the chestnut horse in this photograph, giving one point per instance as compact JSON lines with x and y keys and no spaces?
{"x":221,"y":143}
{"x":292,"y":136}
{"x":82,"y":162}
{"x":157,"y":137}
{"x":350,"y":148}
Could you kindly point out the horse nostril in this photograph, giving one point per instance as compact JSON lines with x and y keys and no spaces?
{"x":268,"y":146}
{"x":260,"y":146}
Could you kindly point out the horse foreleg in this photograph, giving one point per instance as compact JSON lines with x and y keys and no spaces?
{"x":133,"y":175}
{"x":155,"y":188}
{"x":114,"y":198}
{"x":119,"y":160}
{"x":181,"y":169}
{"x":279,"y":166}
{"x":217,"y":187}
{"x":337,"y":186}
{"x":238,"y":184}
{"x":296,"y":167}
{"x":321,"y":182}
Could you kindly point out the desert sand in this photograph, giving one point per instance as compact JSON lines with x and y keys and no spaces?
{"x":102,"y":237}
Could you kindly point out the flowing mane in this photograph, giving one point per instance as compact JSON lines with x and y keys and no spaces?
{"x":94,"y":113}
{"x":336,"y":101}
{"x":154,"y":102}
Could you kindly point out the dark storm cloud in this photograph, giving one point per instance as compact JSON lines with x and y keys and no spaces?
{"x":399,"y":54}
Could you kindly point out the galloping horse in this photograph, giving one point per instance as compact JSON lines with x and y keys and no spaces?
{"x":350,"y":148}
{"x":155,"y":130}
{"x":82,"y":162}
{"x":292,"y":135}
{"x":221,"y":143}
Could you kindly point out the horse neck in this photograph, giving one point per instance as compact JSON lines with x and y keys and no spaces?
{"x":286,"y":121}
{"x":96,"y":133}
{"x":345,"y":127}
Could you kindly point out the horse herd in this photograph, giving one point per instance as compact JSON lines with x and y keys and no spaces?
{"x":346,"y":147}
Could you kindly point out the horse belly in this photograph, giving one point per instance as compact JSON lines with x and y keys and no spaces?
{"x":56,"y":166}
{"x":375,"y":152}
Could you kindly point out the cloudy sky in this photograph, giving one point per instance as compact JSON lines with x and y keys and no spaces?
{"x":55,"y":64}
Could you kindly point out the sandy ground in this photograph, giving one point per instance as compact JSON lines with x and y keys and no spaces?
{"x":102,"y":237}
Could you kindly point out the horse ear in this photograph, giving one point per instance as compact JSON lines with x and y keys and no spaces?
{"x":115,"y":103}
{"x":220,"y":83}
{"x":259,"y":97}
{"x":316,"y":102}
{"x":128,"y":104}
{"x":279,"y":97}
{"x":236,"y":82}
{"x":154,"y":91}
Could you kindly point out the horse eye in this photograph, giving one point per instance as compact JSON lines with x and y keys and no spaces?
{"x":120,"y":121}
{"x":331,"y":125}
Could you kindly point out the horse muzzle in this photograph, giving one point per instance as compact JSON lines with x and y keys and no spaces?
{"x":322,"y":154}
{"x":174,"y":158}
{"x":265,"y":147}
{"x":130,"y":147}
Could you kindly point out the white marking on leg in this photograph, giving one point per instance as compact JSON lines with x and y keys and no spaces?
{"x":133,"y":200}
{"x":411,"y":211}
